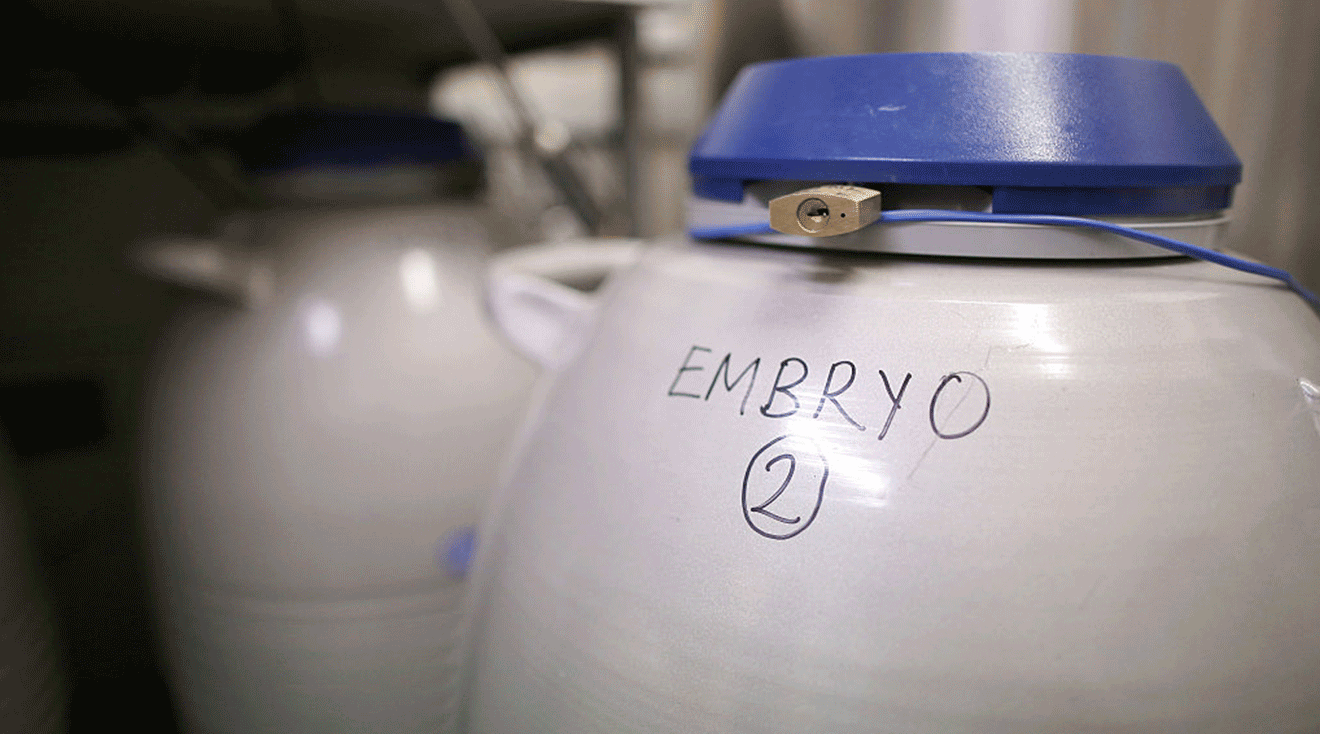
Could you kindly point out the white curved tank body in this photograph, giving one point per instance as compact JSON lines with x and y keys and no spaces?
{"x":782,"y":490}
{"x":924,"y":430}
{"x":313,"y":455}
{"x":32,"y":690}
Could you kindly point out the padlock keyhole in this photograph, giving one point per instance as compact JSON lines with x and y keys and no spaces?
{"x":813,"y":215}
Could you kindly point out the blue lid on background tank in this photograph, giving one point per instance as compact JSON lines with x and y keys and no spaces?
{"x":1048,"y":133}
{"x":351,"y":138}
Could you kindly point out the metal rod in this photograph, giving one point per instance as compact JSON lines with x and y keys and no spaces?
{"x":186,"y":156}
{"x":630,"y":117}
{"x":550,"y":150}
{"x":175,"y":146}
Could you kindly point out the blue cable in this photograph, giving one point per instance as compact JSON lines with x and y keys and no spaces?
{"x":1051,"y":220}
{"x":729,"y":231}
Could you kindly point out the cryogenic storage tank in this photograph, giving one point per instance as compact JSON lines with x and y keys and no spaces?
{"x":324,"y":422}
{"x":931,"y":425}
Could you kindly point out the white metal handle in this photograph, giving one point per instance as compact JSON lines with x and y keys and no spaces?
{"x":214,"y":266}
{"x":530,"y":293}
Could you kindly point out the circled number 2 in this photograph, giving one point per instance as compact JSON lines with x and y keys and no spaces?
{"x":793,"y":505}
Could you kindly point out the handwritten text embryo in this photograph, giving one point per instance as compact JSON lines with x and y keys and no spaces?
{"x":955,"y":403}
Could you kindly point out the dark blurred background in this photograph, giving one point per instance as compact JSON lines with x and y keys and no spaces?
{"x":114,"y":121}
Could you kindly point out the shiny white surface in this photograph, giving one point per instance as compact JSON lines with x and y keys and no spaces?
{"x":1126,"y":543}
{"x":530,"y":299}
{"x":308,"y":458}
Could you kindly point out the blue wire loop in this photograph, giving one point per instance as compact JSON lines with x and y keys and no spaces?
{"x":1050,"y":220}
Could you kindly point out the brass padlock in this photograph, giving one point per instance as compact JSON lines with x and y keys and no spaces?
{"x":824,"y":211}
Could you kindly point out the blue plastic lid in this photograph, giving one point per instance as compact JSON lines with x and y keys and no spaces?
{"x":1048,"y":133}
{"x":356,"y":138}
